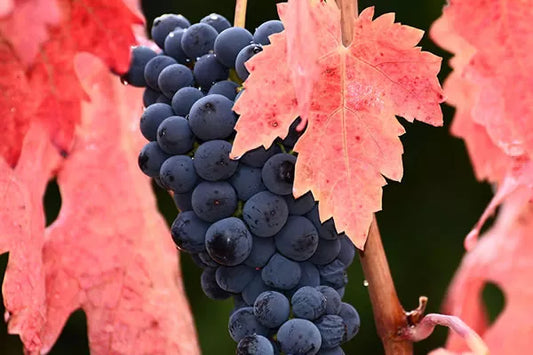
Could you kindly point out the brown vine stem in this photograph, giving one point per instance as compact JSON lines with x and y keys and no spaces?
{"x":349,"y":11}
{"x":240,"y":13}
{"x":389,"y":314}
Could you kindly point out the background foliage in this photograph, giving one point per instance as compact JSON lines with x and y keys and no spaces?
{"x":423,"y":224}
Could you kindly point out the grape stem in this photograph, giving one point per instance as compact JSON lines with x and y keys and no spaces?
{"x":389,"y":314}
{"x":240,"y":13}
{"x":349,"y":11}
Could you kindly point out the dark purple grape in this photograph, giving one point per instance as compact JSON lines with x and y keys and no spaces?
{"x":262,"y":32}
{"x":228,"y":241}
{"x":210,"y":286}
{"x":243,"y":323}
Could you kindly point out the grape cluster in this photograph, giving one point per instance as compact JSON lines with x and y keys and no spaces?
{"x":255,"y":242}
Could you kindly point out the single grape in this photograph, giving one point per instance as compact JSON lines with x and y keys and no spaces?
{"x":152,"y":117}
{"x":299,"y":336}
{"x":174,"y":135}
{"x":254,"y":345}
{"x":347,"y":252}
{"x":188,"y":232}
{"x":207,"y":260}
{"x":177,"y":174}
{"x":150,"y":96}
{"x":208,"y":70}
{"x":173,"y":46}
{"x":212,"y":201}
{"x":229,"y":43}
{"x":183,"y":100}
{"x":278,"y":173}
{"x":162,"y":99}
{"x":310,"y":277}
{"x":211,"y":117}
{"x":164,"y":24}
{"x":140,"y":55}
{"x":196,"y":259}
{"x":212,"y":161}
{"x":173,"y":78}
{"x":234,"y":278}
{"x":259,"y":156}
{"x":265,"y":213}
{"x":254,"y":289}
{"x":333,"y":299}
{"x":272,"y":309}
{"x":333,"y":274}
{"x":262,"y":251}
{"x":210,"y":287}
{"x":281,"y":272}
{"x":247,"y":181}
{"x":332,"y":329}
{"x":326,"y":252}
{"x":198,"y":40}
{"x":246,"y":53}
{"x":228,"y":241}
{"x":151,"y":158}
{"x":333,"y":351}
{"x":294,"y":134}
{"x":298,"y":239}
{"x":243,"y":323}
{"x":301,"y":205}
{"x":308,"y":303}
{"x":325,"y":230}
{"x":266,"y":29}
{"x":218,"y":22}
{"x":154,"y":67}
{"x":183,"y":201}
{"x":226,"y":88}
{"x":351,"y":319}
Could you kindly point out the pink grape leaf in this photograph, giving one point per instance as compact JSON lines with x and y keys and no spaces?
{"x":501,"y":36}
{"x":488,"y":160}
{"x":502,"y":256}
{"x":48,"y":90}
{"x":25,"y":25}
{"x":301,"y":39}
{"x":6,"y":7}
{"x":104,"y":253}
{"x":489,"y":117}
{"x":351,"y":141}
{"x":491,"y":159}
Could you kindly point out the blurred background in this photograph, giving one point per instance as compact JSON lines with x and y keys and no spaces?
{"x":423,"y":222}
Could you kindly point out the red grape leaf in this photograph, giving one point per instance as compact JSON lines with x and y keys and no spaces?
{"x":25,"y":25}
{"x":48,"y":90}
{"x":104,"y":253}
{"x":503,"y":257}
{"x":351,"y":141}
